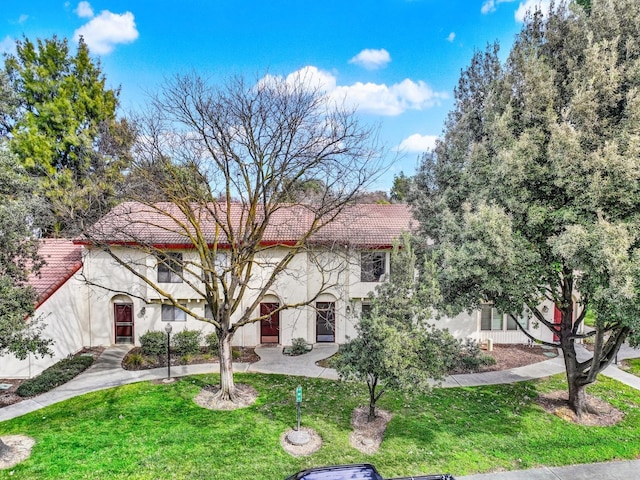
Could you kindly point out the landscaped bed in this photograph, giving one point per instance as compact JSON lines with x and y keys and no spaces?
{"x":137,"y":360}
{"x":149,"y":431}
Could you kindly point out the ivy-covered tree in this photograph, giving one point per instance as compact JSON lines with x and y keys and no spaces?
{"x":65,"y":130}
{"x":534,"y":192}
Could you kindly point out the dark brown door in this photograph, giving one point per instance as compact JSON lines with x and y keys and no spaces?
{"x":325,"y":322}
{"x":124,"y":323}
{"x":270,"y":327}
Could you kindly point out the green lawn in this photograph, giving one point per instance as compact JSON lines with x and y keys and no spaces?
{"x":633,"y":366}
{"x":156,"y":431}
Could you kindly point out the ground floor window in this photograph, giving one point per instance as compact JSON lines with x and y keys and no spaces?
{"x":492,"y":319}
{"x":171,"y":313}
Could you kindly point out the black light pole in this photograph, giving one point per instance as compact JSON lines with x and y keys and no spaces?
{"x":168,"y":329}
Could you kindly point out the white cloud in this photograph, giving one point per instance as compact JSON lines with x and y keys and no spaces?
{"x":531,"y":6}
{"x":373,"y":98}
{"x":7,"y":45}
{"x":372,"y":59}
{"x":451,"y":37}
{"x":84,"y":10}
{"x":380,"y":99}
{"x":22,"y":18}
{"x":525,"y":6}
{"x":490,"y":6}
{"x":417,"y":143}
{"x":106,"y":30}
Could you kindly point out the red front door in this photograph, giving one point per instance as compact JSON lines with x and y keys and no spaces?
{"x":270,"y":327}
{"x":123,"y":315}
{"x":557,"y":319}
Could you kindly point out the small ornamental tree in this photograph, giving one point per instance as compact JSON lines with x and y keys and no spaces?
{"x":396,"y":349}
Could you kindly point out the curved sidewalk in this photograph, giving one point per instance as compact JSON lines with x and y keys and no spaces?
{"x":107,"y":372}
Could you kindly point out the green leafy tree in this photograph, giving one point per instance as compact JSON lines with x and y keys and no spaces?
{"x":396,"y":348}
{"x":401,"y":188}
{"x":65,"y":129}
{"x":18,"y":255}
{"x":534,"y":192}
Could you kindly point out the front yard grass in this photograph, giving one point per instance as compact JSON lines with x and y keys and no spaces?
{"x":632,"y":366}
{"x":151,"y":431}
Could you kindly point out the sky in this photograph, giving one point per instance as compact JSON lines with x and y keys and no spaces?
{"x":396,"y":62}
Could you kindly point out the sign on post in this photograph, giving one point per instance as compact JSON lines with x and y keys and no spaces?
{"x":298,"y":404}
{"x":299,"y":394}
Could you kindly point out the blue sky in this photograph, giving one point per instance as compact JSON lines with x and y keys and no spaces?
{"x":396,"y":61}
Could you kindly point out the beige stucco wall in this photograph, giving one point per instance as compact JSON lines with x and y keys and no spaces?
{"x":80,"y":315}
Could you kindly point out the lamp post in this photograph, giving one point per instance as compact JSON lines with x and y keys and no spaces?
{"x":168,"y":329}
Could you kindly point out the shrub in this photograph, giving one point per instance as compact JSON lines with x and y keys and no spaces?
{"x":55,"y":375}
{"x":134,"y":360}
{"x":211,"y":341}
{"x":299,"y":346}
{"x":154,"y":342}
{"x":235,"y":353}
{"x":185,"y":359}
{"x":472,"y":358}
{"x":187,"y":342}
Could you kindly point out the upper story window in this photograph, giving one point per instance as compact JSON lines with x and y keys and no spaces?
{"x":372,"y":266}
{"x":170,"y":268}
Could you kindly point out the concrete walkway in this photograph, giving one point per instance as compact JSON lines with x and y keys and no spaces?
{"x":107,"y":372}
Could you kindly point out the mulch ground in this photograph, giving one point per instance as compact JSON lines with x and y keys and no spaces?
{"x":515,"y":355}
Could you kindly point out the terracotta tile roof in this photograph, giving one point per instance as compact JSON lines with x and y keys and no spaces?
{"x":365,"y":225}
{"x":62,"y":259}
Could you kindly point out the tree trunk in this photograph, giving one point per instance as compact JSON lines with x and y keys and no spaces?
{"x":227,"y":386}
{"x":575,"y":381}
{"x":372,"y":401}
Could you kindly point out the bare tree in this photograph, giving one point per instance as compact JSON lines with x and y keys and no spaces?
{"x":217,"y":172}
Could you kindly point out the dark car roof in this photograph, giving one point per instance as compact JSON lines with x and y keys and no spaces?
{"x":363,"y":471}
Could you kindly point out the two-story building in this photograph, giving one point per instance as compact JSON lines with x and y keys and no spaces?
{"x":88,"y":297}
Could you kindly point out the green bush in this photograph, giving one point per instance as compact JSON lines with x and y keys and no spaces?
{"x":55,"y":375}
{"x":154,"y":343}
{"x":298,"y":346}
{"x":472,"y":358}
{"x":186,"y":342}
{"x":211,"y":340}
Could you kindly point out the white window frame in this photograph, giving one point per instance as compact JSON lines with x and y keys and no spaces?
{"x":171,"y":268}
{"x":368,"y":261}
{"x":171,"y":313}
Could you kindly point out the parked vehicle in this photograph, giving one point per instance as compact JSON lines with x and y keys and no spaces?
{"x":362,"y":471}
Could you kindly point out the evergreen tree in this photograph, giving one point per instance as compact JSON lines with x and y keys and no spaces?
{"x":65,"y":130}
{"x":534,"y":192}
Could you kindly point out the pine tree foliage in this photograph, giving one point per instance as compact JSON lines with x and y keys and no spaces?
{"x":65,"y":129}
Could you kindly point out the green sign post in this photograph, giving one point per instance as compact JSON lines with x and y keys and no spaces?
{"x":298,"y":404}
